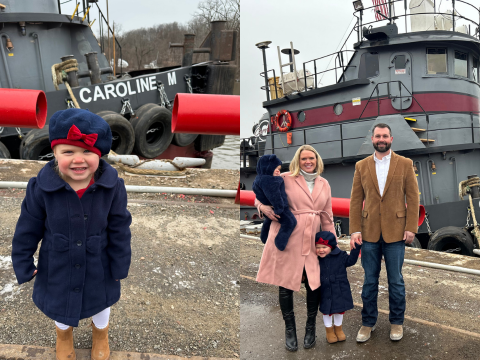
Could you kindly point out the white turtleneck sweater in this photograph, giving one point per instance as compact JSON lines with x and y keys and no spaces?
{"x":309,"y":178}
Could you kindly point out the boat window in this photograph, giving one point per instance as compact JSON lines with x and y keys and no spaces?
{"x":368,"y":66}
{"x":475,"y":69}
{"x":460,"y":64}
{"x":437,"y":61}
{"x":400,"y":62}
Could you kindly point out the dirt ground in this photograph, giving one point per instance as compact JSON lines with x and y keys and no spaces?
{"x":182,"y":293}
{"x":442,"y":298}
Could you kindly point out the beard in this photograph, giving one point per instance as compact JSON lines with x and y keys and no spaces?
{"x":386,"y":145}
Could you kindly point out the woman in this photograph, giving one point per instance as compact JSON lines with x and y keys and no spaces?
{"x":309,"y":199}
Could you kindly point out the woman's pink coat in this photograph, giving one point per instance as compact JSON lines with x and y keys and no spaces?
{"x":285,"y":268}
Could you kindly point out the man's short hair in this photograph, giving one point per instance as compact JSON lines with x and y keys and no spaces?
{"x":382,"y":126}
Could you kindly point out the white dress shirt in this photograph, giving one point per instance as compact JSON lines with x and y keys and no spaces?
{"x":381,"y":168}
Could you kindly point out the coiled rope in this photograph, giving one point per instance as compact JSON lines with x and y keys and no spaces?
{"x":464,"y":189}
{"x":59,"y":76}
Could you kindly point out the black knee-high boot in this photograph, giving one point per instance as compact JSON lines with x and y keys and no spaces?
{"x":313,"y":300}
{"x":285,"y":297}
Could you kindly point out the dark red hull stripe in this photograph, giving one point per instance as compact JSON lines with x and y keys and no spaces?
{"x":431,"y":102}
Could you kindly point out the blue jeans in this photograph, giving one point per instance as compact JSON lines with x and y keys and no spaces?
{"x":394,"y":254}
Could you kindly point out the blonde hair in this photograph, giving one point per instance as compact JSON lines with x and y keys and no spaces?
{"x":295,"y":164}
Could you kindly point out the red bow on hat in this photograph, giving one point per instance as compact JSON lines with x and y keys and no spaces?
{"x":321,"y":241}
{"x":75,"y":134}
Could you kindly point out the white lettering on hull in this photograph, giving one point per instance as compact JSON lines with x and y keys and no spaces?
{"x":121,"y":89}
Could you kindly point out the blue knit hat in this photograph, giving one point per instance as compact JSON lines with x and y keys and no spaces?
{"x":326,"y":238}
{"x":81,"y":128}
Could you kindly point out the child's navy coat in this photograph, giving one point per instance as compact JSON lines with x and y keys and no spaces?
{"x":85,"y":246}
{"x":335,"y":293}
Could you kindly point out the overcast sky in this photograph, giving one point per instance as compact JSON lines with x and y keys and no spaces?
{"x":316,"y":28}
{"x":139,"y":13}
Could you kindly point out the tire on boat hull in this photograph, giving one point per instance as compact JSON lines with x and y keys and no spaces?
{"x":4,"y":153}
{"x":183,"y":139}
{"x":36,"y":145}
{"x":450,"y":238}
{"x":123,"y":135}
{"x":153,"y":130}
{"x":415,"y":244}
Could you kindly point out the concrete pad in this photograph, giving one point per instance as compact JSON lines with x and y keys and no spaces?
{"x":21,"y":352}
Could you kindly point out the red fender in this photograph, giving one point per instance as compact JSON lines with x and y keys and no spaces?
{"x":23,"y":108}
{"x":206,"y":114}
{"x":340,"y":206}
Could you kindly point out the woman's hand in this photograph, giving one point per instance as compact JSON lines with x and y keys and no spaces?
{"x":268,"y":211}
{"x":34,"y":273}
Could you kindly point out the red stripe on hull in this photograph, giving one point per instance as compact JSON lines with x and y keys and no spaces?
{"x":431,"y":102}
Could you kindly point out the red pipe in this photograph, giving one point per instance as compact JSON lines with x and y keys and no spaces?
{"x":23,"y":108}
{"x":340,"y":206}
{"x":206,"y":114}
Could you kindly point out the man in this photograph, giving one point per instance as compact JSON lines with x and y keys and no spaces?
{"x":384,"y":181}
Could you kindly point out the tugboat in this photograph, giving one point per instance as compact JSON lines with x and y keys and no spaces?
{"x":43,"y":49}
{"x":417,"y":71}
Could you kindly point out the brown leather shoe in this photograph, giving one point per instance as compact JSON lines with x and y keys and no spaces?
{"x":339,"y":332}
{"x":396,"y":332}
{"x":331,"y":337}
{"x":364,"y":333}
{"x":100,"y":349}
{"x":64,"y":347}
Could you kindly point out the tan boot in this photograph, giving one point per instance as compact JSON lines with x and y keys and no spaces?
{"x":331,"y":337}
{"x":100,"y":349}
{"x":339,"y":332}
{"x":64,"y":347}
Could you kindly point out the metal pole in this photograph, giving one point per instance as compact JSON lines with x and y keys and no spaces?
{"x":108,"y":36}
{"x":113,"y":37}
{"x":266,"y":74}
{"x":360,"y":27}
{"x":59,"y":7}
{"x":405,"y":7}
{"x":390,"y":15}
{"x":453,"y":14}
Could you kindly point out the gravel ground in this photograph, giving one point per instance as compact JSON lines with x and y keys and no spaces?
{"x":439,"y":296}
{"x":182,"y":293}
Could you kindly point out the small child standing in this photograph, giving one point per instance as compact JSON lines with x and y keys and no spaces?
{"x":335,"y":292}
{"x":77,"y":207}
{"x":269,"y":189}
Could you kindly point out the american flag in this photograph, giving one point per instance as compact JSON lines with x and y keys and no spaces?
{"x":381,"y":5}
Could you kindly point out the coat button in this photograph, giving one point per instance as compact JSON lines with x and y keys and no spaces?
{"x":76,"y":290}
{"x":85,"y":217}
{"x":77,"y":266}
{"x":79,"y":243}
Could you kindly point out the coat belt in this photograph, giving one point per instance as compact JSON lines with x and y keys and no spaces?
{"x":309,"y":230}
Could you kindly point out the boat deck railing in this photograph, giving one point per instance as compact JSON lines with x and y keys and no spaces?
{"x":341,"y":58}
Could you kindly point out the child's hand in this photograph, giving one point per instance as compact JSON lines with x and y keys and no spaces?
{"x":34,"y":273}
{"x":303,"y":278}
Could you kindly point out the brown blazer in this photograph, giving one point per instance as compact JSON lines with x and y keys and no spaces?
{"x":387,"y":214}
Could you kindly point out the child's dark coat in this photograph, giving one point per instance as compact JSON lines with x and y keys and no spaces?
{"x":335,"y":293}
{"x":85,"y":246}
{"x":270,"y":190}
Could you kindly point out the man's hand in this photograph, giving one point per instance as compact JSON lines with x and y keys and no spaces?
{"x":268,"y":211}
{"x":355,"y":238}
{"x":408,"y":236}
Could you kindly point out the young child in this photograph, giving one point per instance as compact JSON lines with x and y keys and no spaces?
{"x":335,"y":293}
{"x":77,"y":206}
{"x":269,"y":189}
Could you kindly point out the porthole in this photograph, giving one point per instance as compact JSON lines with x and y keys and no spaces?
{"x":301,"y":116}
{"x":338,"y":109}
